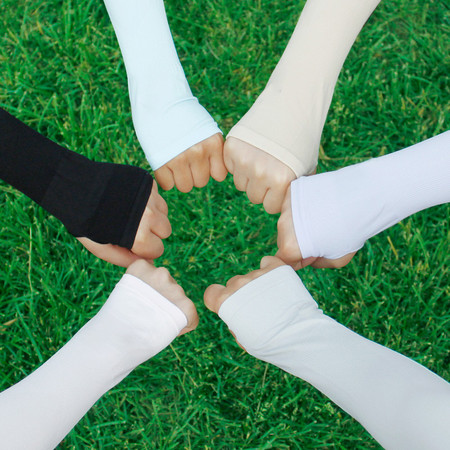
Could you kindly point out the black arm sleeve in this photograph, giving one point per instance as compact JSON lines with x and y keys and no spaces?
{"x":101,"y":201}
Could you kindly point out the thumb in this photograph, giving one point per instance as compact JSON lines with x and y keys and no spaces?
{"x":212,"y":297}
{"x":111,"y":253}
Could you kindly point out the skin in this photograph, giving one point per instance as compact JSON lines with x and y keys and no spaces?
{"x":193,"y":167}
{"x":264,"y":178}
{"x":288,"y":248}
{"x":153,"y":228}
{"x":160,"y":279}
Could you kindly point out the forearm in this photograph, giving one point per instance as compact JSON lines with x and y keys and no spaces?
{"x":334,"y":213}
{"x":401,"y":403}
{"x":134,"y":324}
{"x":323,"y":38}
{"x":101,"y":201}
{"x":168,"y":119}
{"x":287,"y":119}
{"x":144,"y":37}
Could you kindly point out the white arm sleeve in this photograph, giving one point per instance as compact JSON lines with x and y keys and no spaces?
{"x":334,"y":213}
{"x":167,"y":118}
{"x":401,"y":403}
{"x":135,"y":324}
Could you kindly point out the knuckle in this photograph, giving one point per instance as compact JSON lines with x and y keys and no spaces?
{"x":167,"y":230}
{"x":158,"y":249}
{"x":196,"y":152}
{"x":163,"y":274}
{"x":190,"y":308}
{"x":179,"y":291}
{"x":259,"y":173}
{"x":281,"y":224}
{"x":202,"y":179}
{"x":271,"y":208}
{"x":232,"y":281}
{"x":184,"y":187}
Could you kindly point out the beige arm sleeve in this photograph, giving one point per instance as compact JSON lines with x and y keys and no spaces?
{"x":287,"y":119}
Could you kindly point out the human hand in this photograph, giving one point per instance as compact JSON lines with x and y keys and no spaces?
{"x":264,"y":178}
{"x":216,"y":294}
{"x":153,"y":227}
{"x":160,"y":279}
{"x":288,"y":247}
{"x":194,"y":166}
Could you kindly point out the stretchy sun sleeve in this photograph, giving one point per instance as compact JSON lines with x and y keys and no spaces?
{"x":287,"y":119}
{"x":167,"y":118}
{"x":334,"y":213}
{"x":135,"y":324}
{"x":101,"y":201}
{"x":401,"y":403}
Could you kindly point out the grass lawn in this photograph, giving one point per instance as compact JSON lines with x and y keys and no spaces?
{"x":61,"y":72}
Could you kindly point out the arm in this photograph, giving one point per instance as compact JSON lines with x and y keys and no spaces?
{"x":136,"y":322}
{"x":287,"y":119}
{"x":101,"y":202}
{"x":334,"y":213}
{"x":167,"y":118}
{"x":401,"y":403}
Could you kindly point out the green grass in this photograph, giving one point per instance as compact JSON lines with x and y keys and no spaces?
{"x":61,"y":72}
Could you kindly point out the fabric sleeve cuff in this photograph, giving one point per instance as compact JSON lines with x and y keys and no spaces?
{"x":196,"y":135}
{"x":299,"y":208}
{"x":273,"y":149}
{"x":257,"y":310}
{"x":145,"y":292}
{"x":137,"y":209}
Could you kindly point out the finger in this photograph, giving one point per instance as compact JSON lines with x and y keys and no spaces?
{"x":152,"y":221}
{"x":321,"y":263}
{"x":213,"y":297}
{"x":284,"y":255}
{"x":158,"y":202}
{"x":273,"y":200}
{"x":239,"y":281}
{"x":183,"y":178}
{"x":305,"y":262}
{"x":148,"y":246}
{"x":159,"y":278}
{"x":200,"y":171}
{"x":217,"y":166}
{"x":325,"y":263}
{"x":234,"y":280}
{"x":271,"y":262}
{"x":298,"y":264}
{"x":113,"y":254}
{"x":228,"y":153}
{"x":240,"y":181}
{"x":256,"y":191}
{"x":160,"y":225}
{"x":288,"y":249}
{"x":189,"y":310}
{"x":164,"y":177}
